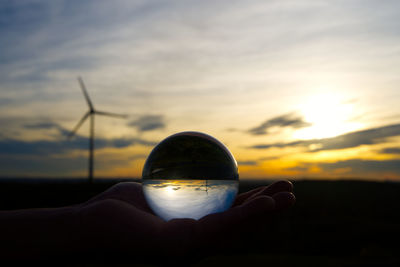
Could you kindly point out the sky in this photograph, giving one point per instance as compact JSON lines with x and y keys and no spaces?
{"x":295,"y":89}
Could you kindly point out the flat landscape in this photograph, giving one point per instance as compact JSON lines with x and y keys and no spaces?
{"x":333,"y":223}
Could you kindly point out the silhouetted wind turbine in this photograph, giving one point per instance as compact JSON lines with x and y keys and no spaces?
{"x":90,"y":114}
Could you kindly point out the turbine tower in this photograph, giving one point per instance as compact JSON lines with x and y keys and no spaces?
{"x":90,"y":114}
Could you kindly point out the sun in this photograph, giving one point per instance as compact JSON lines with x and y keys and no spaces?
{"x":169,"y":190}
{"x":329,"y":115}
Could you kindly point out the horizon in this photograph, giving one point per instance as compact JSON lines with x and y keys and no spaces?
{"x":267,"y":180}
{"x":290,"y":89}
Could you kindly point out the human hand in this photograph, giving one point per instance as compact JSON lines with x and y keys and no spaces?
{"x":119,"y":220}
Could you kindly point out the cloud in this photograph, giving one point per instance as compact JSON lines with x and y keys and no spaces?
{"x":360,"y":168}
{"x":42,"y":125}
{"x":247,"y":163}
{"x":123,"y":142}
{"x":52,"y":158}
{"x":278,"y":145}
{"x":269,"y":158}
{"x":391,"y":150}
{"x":363,"y":166}
{"x":12,"y":146}
{"x":59,"y":166}
{"x":41,"y":165}
{"x":178,"y":54}
{"x":349,"y":140}
{"x":138,"y":156}
{"x":148,"y":123}
{"x":4,"y":101}
{"x":302,"y":168}
{"x":288,"y":120}
{"x":51,"y":147}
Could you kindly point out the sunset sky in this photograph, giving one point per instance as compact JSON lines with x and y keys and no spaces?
{"x":295,"y":89}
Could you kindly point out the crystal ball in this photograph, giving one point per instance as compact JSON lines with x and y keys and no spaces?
{"x":190,"y":175}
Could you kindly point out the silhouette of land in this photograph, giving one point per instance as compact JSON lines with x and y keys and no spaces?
{"x":333,"y":223}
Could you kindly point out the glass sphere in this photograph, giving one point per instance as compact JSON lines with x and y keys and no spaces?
{"x":190,"y":175}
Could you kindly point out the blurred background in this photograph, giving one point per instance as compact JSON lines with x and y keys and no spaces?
{"x":293,"y":88}
{"x":299,"y":90}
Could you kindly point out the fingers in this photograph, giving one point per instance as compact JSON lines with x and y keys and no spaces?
{"x":257,"y":205}
{"x":123,"y":190}
{"x":113,"y":225}
{"x":280,"y":186}
{"x":219,"y":230}
{"x":242,"y":197}
{"x":214,"y":223}
{"x":222,"y":230}
{"x":129,"y":192}
{"x":283,"y":200}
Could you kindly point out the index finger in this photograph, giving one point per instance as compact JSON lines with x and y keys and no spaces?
{"x":279,"y":186}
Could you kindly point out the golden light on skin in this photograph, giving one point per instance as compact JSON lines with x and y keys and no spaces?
{"x":329,"y":115}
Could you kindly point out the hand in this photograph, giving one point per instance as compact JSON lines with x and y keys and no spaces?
{"x":119,"y":223}
{"x":119,"y":220}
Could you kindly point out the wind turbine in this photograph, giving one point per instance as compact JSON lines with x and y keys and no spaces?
{"x":90,"y":114}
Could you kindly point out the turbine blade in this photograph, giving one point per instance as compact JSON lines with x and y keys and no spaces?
{"x":110,"y":114}
{"x":83,"y":87}
{"x":79,"y":124}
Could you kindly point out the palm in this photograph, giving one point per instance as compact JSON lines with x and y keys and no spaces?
{"x":121,"y":216}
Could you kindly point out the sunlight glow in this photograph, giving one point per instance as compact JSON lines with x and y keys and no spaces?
{"x":170,"y":189}
{"x":329,"y":114}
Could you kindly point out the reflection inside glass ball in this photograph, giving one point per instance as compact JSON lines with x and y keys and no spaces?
{"x":190,"y":175}
{"x":189,"y":198}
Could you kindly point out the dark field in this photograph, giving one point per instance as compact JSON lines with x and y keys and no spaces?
{"x":333,"y":223}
